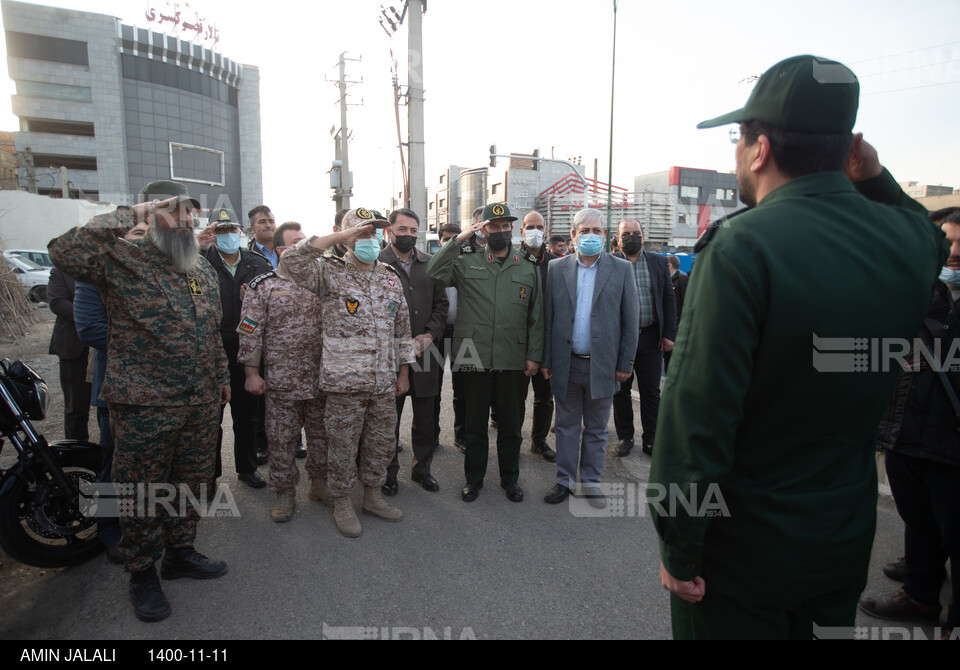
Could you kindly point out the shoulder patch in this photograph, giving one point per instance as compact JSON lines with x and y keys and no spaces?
{"x":334,"y":259}
{"x":469,"y":249}
{"x":530,"y":257}
{"x":388,"y":268}
{"x":260,"y":278}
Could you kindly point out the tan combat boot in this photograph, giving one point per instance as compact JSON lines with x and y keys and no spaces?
{"x":319,"y":491}
{"x":374,"y":505}
{"x":345,"y":517}
{"x":283,"y":508}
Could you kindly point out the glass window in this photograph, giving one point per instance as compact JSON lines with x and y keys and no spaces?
{"x":41,"y":47}
{"x":689,"y":191}
{"x":36,"y":89}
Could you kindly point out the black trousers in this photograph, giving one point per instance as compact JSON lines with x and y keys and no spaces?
{"x":421,"y":436}
{"x":243,"y":410}
{"x":542,"y":409}
{"x":76,"y":397}
{"x":506,"y":391}
{"x":647,"y":367}
{"x":459,"y":404}
{"x":928,"y":500}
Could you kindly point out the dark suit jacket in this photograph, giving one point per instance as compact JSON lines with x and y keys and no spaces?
{"x":64,"y":342}
{"x":252,"y":264}
{"x":427,"y":302}
{"x":664,"y":302}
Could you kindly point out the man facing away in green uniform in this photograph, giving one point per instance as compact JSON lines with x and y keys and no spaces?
{"x":497,"y":340}
{"x":771,"y":438}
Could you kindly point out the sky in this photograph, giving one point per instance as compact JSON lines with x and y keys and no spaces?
{"x":527,"y":74}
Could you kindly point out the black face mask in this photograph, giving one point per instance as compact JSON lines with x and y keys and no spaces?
{"x":404,"y":243}
{"x":632,"y":245}
{"x":500,"y":241}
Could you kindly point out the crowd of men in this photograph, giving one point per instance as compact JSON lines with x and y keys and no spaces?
{"x":335,"y":332}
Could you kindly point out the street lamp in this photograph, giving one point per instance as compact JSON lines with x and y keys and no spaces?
{"x":613,"y":79}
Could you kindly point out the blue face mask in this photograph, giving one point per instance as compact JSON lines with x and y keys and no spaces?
{"x":950,"y":277}
{"x":228,"y":243}
{"x":379,"y":236}
{"x":366,"y":250}
{"x":590,"y":245}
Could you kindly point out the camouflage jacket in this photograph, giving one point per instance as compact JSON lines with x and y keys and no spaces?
{"x":280,"y":327}
{"x":366,"y":325}
{"x":164,"y":346}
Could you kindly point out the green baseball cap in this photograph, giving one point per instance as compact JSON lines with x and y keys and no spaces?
{"x":803,"y":94}
{"x":361,"y":216}
{"x":496,"y":211}
{"x":224,"y":217}
{"x":165,"y":189}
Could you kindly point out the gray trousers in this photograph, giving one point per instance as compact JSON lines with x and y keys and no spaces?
{"x":577,"y":409}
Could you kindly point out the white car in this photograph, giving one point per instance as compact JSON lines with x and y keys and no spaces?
{"x":38,"y":256}
{"x":33,"y":276}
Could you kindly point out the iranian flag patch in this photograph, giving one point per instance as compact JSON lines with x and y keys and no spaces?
{"x":247,"y":325}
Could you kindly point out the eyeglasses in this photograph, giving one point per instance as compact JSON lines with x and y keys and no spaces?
{"x":736,"y":134}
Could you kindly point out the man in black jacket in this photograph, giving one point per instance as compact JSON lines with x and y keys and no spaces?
{"x":658,"y":331}
{"x":236,"y":268}
{"x":73,"y":355}
{"x":921,"y":433}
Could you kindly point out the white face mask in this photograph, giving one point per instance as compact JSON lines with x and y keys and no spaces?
{"x":533,"y":238}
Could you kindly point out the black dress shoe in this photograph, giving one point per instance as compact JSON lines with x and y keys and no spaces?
{"x":897,"y":571}
{"x":624,"y":447}
{"x":252,"y":479}
{"x":149,"y":603}
{"x":542,"y":449}
{"x":470,"y":492}
{"x":460,"y":444}
{"x":390,"y":488}
{"x":647,"y":449}
{"x":900,"y":607}
{"x":427,"y":481}
{"x":188,"y":562}
{"x":300,"y":451}
{"x":557,"y":494}
{"x":514,"y":492}
{"x":262,"y":458}
{"x":399,"y":447}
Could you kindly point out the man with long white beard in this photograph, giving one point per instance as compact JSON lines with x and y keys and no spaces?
{"x":166,"y":377}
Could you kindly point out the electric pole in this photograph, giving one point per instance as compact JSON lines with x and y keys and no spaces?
{"x":418,"y":180}
{"x":346,"y":187}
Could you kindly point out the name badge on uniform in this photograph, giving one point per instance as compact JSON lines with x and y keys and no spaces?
{"x":352,"y":306}
{"x":523,"y":293}
{"x":194,"y":284}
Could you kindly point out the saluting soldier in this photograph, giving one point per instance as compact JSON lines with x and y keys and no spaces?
{"x":280,"y":328}
{"x":498,"y":339}
{"x":366,"y":337}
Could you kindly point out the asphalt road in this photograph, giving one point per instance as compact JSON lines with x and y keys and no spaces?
{"x":491,"y":569}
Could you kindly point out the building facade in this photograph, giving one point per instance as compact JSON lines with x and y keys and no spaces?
{"x":119,"y":106}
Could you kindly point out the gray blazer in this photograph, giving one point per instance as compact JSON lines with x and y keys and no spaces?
{"x":614,"y":323}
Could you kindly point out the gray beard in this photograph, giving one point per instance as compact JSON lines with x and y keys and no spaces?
{"x":182,"y":249}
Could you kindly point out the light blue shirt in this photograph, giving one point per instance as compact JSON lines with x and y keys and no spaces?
{"x":271,"y":256}
{"x":586,"y":278}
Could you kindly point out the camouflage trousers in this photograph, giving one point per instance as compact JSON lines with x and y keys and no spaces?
{"x":350,"y":416}
{"x":284,"y":419}
{"x":162,"y":446}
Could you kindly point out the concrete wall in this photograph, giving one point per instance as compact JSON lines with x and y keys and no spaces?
{"x":251,"y":158}
{"x":30,"y":221}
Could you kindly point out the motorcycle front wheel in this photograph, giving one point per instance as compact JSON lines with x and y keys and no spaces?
{"x":39,"y":527}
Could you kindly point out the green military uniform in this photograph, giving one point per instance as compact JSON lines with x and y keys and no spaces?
{"x":751,"y":407}
{"x":499,"y":327}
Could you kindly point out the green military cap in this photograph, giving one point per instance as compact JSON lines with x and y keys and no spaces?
{"x":496,"y":211}
{"x":360,"y":216}
{"x":224,"y":217}
{"x":164,"y":189}
{"x":803,"y":94}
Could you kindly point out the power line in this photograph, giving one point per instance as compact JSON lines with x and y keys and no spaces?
{"x":912,"y":88}
{"x":917,"y":67}
{"x":902,"y":53}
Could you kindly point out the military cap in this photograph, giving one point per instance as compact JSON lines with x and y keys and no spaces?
{"x":803,"y":94}
{"x":356,"y":217}
{"x":165,"y":189}
{"x":224,"y":218}
{"x":496,"y":211}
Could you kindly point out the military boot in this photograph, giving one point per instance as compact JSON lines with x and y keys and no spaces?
{"x":149,"y":603}
{"x":345,"y":517}
{"x":319,"y":491}
{"x":283,"y":508}
{"x":374,"y":505}
{"x":188,"y":562}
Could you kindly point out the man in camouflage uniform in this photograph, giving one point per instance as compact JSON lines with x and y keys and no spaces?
{"x":166,"y":374}
{"x":280,"y":328}
{"x":366,"y":335}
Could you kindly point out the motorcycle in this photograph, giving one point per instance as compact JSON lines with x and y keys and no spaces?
{"x":41,"y":521}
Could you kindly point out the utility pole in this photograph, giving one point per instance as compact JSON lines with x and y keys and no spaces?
{"x":418,"y":180}
{"x":31,"y":170}
{"x":64,"y":186}
{"x":613,"y":79}
{"x":346,"y":187}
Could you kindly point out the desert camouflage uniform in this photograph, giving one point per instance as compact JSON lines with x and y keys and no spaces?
{"x":280,"y":327}
{"x":165,"y":366}
{"x":366,"y":336}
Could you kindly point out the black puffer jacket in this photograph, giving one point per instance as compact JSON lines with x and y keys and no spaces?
{"x":920,"y":420}
{"x":251,"y":265}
